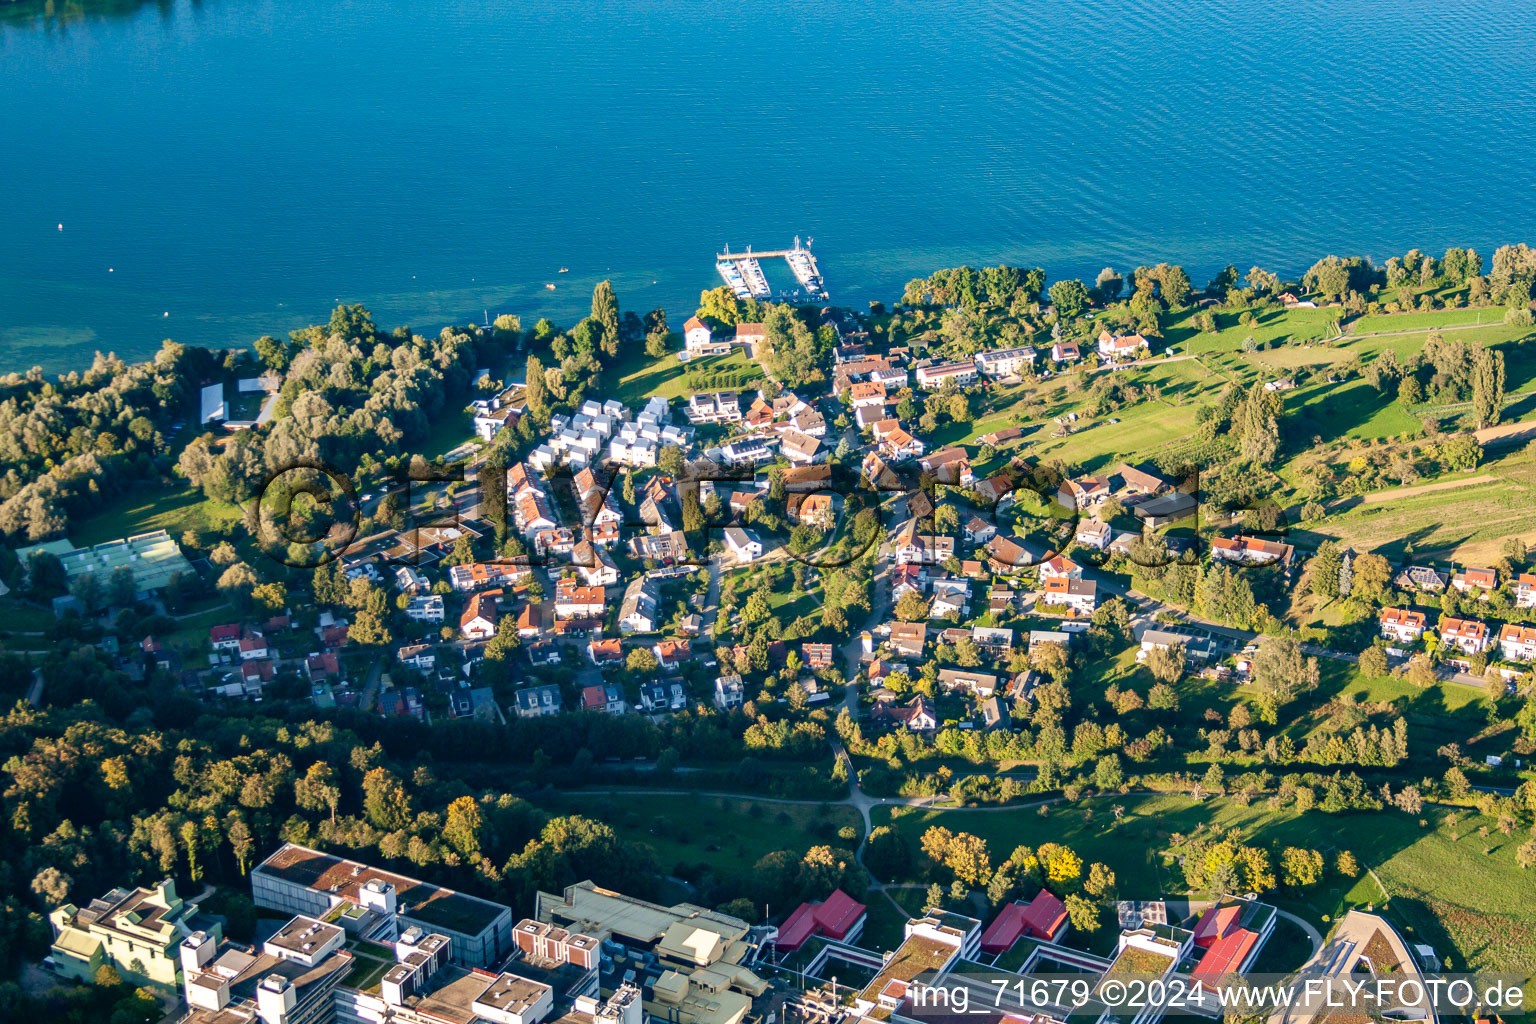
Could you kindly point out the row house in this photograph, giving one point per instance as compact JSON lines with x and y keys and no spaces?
{"x":594,"y":565}
{"x":1402,"y":625}
{"x":604,"y":698}
{"x":1252,"y":551}
{"x":720,"y":407}
{"x":538,"y":701}
{"x":658,"y":696}
{"x":749,"y":451}
{"x":574,"y":601}
{"x":938,"y":375}
{"x":479,"y":575}
{"x":640,"y":610}
{"x":1518,"y":643}
{"x":1078,"y":596}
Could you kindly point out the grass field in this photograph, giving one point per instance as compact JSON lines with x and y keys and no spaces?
{"x":1467,"y":523}
{"x":1465,"y":896}
{"x":150,"y":508}
{"x":728,"y":834}
{"x":639,"y":377}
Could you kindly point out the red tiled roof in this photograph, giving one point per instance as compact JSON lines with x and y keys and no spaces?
{"x":1004,"y":930}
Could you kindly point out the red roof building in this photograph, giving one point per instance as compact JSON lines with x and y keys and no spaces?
{"x":1004,"y":930}
{"x":1225,"y":956}
{"x":839,"y":917}
{"x":1214,"y":924}
{"x":1045,"y":917}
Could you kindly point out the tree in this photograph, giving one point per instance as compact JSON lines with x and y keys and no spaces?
{"x":911,"y":607}
{"x":1280,"y":672}
{"x":1083,"y":914}
{"x":641,"y":661}
{"x":1487,"y":386}
{"x":1107,"y":774}
{"x":385,"y":801}
{"x":1346,"y":865}
{"x":463,"y":824}
{"x":1163,"y":697}
{"x":368,"y":628}
{"x":1373,"y":663}
{"x":1101,"y":881}
{"x":1070,"y":297}
{"x":605,"y":310}
{"x":52,"y":885}
{"x":318,"y":789}
{"x":1301,"y":868}
{"x":1166,"y":663}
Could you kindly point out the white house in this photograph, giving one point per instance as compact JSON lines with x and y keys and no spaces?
{"x":698,"y":340}
{"x":1518,"y":643}
{"x":743,"y":545}
{"x":1005,"y":362}
{"x":1402,"y":625}
{"x":729,"y":692}
{"x":425,"y":608}
{"x":934,"y":377}
{"x":1466,"y":635}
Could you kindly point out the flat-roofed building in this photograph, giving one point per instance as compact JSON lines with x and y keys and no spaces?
{"x":299,"y":880}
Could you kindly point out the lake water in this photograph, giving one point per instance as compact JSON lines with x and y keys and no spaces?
{"x":242,"y":165}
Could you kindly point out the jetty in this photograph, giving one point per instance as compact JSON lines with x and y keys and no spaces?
{"x":743,"y":271}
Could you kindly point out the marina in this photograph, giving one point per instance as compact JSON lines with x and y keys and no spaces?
{"x":743,"y":272}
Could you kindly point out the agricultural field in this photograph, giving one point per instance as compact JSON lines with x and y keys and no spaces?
{"x":1436,"y":519}
{"x":1444,"y":883}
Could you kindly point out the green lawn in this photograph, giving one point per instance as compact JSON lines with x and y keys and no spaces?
{"x":641,"y":377}
{"x":146,"y":508}
{"x":1465,"y":896}
{"x":728,"y":834}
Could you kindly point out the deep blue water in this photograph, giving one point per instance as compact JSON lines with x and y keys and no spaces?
{"x":244,"y":164}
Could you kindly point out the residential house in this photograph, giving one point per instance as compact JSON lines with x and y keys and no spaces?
{"x":422,"y":657}
{"x":639,"y":611}
{"x":604,"y":698}
{"x":1093,"y":534}
{"x":751,"y":337}
{"x":1005,"y":362}
{"x":949,"y":466}
{"x":1252,"y":551}
{"x":1134,"y":480}
{"x":817,"y":655}
{"x":1000,"y":437}
{"x":658,"y":696}
{"x":1060,"y":567}
{"x":537,"y":701}
{"x":1083,"y":493}
{"x":918,"y":714}
{"x":1422,"y":578}
{"x":978,"y":684}
{"x":1481,"y":582}
{"x":1517,"y":643}
{"x":410,"y":580}
{"x":480,"y":615}
{"x":867,"y":393}
{"x":1196,"y":647}
{"x":743,"y":545}
{"x":425,"y":608}
{"x":979,"y":531}
{"x":895,"y":443}
{"x":1080,"y":597}
{"x":670,"y":654}
{"x":530,"y":621}
{"x":936,"y":376}
{"x":907,"y":639}
{"x":1117,"y":347}
{"x":816,"y":509}
{"x":477,"y":575}
{"x":809,"y":422}
{"x":950,"y":596}
{"x":323,"y":667}
{"x":729,"y":692}
{"x":573,"y":601}
{"x":800,"y":449}
{"x":1402,"y":625}
{"x":1065,"y":352}
{"x":225,"y":638}
{"x":1525,"y":590}
{"x":1007,"y":557}
{"x":605,"y":652}
{"x":253,"y":646}
{"x":798,"y":479}
{"x":1466,"y":635}
{"x":923,"y":549}
{"x":699,"y":340}
{"x":594,"y":565}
